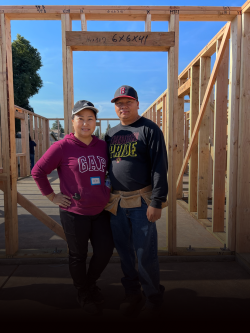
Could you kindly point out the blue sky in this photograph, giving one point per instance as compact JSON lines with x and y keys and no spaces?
{"x":98,"y":74}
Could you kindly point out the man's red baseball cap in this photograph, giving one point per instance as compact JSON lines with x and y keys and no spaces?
{"x":125,"y":91}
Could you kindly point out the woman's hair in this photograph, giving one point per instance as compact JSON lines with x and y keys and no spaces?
{"x":73,"y":115}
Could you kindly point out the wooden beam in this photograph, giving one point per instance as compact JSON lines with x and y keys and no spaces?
{"x":243,"y":181}
{"x":203,"y":142}
{"x":193,"y":162}
{"x":148,"y":23}
{"x":29,"y":112}
{"x":246,"y":7}
{"x":184,"y":88}
{"x":19,"y":115}
{"x":220,"y":142}
{"x":233,"y":127}
{"x":205,"y":100}
{"x":8,"y":134}
{"x":119,"y":41}
{"x":40,"y":215}
{"x":172,"y":126}
{"x":68,"y":91}
{"x":122,"y":13}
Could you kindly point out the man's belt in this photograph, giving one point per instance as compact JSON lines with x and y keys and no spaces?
{"x":131,"y":199}
{"x":131,"y":193}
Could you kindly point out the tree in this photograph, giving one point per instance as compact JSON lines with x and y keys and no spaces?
{"x":26,"y":62}
{"x":54,"y":126}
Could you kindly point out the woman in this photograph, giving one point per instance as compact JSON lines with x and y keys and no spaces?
{"x":81,"y":162}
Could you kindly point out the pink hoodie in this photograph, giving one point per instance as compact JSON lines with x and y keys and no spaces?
{"x":81,"y":170}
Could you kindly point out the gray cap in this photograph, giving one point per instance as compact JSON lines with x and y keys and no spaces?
{"x":81,"y":105}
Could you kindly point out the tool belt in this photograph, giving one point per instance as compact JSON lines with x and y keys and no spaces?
{"x":130,"y":199}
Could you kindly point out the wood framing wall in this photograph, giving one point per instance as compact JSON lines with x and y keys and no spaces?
{"x":212,"y":142}
{"x":219,"y":123}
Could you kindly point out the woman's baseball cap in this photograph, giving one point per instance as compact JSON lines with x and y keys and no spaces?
{"x":83,"y":104}
{"x":125,"y":91}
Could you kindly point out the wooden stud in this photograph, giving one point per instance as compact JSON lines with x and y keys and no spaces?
{"x":8,"y":133}
{"x":83,"y":22}
{"x":40,"y":138}
{"x":233,"y":127}
{"x":164,"y":117}
{"x":158,"y":116}
{"x":25,"y":165}
{"x":68,"y":92}
{"x":220,"y":142}
{"x":172,"y":127}
{"x":243,"y":180}
{"x":43,"y":136}
{"x":203,"y":142}
{"x":211,"y":145}
{"x":180,"y":141}
{"x":36,"y":139}
{"x":154,"y":113}
{"x":58,"y":130}
{"x":47,"y":135}
{"x":193,"y":162}
{"x":31,"y":127}
{"x":148,"y":23}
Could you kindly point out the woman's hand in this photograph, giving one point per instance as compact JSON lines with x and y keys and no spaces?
{"x":61,"y":200}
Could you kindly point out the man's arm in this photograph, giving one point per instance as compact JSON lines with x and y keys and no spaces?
{"x":159,"y":166}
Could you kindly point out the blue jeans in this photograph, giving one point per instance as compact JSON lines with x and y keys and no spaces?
{"x":134,"y":235}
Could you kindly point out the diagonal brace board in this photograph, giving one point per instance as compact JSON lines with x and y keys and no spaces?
{"x":40,"y":215}
{"x":206,"y":98}
{"x":119,"y":41}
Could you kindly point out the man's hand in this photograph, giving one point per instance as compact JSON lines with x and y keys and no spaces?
{"x":153,"y":214}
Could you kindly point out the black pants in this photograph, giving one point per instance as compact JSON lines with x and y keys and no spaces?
{"x":78,"y":230}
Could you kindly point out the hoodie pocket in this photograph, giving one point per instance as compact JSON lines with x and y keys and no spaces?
{"x":96,"y":196}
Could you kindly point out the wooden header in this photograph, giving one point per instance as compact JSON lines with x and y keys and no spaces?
{"x":119,"y":41}
{"x":121,"y":13}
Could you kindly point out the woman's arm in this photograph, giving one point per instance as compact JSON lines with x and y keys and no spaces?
{"x":48,"y":162}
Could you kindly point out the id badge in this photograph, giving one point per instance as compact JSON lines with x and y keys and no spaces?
{"x":95,"y":180}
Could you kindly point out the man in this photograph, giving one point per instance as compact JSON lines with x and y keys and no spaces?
{"x":138,"y":174}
